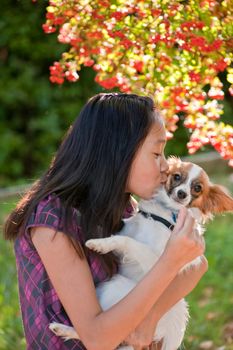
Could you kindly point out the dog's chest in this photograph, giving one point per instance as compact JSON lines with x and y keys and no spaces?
{"x":148,"y":231}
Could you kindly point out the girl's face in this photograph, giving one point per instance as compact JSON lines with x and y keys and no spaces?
{"x":149,"y":167}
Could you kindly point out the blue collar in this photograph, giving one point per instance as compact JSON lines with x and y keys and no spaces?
{"x":158,"y":218}
{"x":174,"y":216}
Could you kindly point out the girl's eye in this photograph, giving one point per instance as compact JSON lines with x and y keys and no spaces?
{"x":157,"y":155}
{"x":177,"y":177}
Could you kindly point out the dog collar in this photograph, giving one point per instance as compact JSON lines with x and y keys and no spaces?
{"x":174,"y":217}
{"x":157,"y":218}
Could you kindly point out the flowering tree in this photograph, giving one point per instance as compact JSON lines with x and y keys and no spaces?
{"x":171,"y":50}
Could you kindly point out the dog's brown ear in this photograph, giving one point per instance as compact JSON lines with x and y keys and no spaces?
{"x":173,"y":160}
{"x":217,"y":200}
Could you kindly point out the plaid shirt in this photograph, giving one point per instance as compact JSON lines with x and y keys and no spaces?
{"x":39,"y":302}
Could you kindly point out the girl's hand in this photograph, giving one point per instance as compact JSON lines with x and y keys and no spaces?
{"x":142,"y":338}
{"x":185,"y":244}
{"x":143,"y":335}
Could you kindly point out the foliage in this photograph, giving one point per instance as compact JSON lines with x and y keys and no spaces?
{"x":34,"y":113}
{"x":173,"y":50}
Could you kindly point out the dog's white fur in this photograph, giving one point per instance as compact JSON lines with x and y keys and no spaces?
{"x":138,"y":246}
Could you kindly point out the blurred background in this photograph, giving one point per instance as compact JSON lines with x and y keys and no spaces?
{"x":34,"y":116}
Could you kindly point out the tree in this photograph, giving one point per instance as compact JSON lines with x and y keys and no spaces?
{"x":34,"y":113}
{"x":172,"y":50}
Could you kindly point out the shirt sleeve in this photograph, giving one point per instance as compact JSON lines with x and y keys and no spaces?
{"x":47,"y":214}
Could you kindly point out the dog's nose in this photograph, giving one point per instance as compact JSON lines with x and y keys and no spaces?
{"x":181,"y":194}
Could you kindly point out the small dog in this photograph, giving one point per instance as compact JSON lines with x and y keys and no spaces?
{"x":143,"y":239}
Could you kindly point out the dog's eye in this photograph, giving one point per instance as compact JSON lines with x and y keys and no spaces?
{"x":177,"y":177}
{"x":197,"y":188}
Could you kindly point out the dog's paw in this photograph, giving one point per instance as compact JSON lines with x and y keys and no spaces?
{"x":98,"y":245}
{"x":61,"y":330}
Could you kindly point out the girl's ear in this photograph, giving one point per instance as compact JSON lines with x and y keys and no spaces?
{"x":217,"y":200}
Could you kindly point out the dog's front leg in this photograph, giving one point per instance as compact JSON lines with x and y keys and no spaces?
{"x":127,"y":249}
{"x":109,"y":244}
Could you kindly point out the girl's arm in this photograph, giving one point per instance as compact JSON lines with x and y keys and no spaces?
{"x":72,"y":280}
{"x":181,"y":286}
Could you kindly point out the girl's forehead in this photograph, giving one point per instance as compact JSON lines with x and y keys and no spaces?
{"x":157,"y":134}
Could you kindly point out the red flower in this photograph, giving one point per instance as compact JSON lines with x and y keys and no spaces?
{"x":126,"y":43}
{"x":172,"y":10}
{"x":116,"y":33}
{"x":56,"y":73}
{"x":57,"y":80}
{"x":155,"y":38}
{"x":71,"y":76}
{"x":190,"y":25}
{"x":103,"y":3}
{"x":186,"y":46}
{"x":156,"y":12}
{"x":166,"y":104}
{"x":58,"y":21}
{"x":48,"y":28}
{"x":75,"y":41}
{"x":89,"y":62}
{"x":118,"y":15}
{"x":138,"y":65}
{"x":108,"y":83}
{"x":95,"y":35}
{"x":69,"y":13}
{"x":197,"y":41}
{"x":50,"y":15}
{"x":96,"y":15}
{"x":194,"y":76}
{"x":220,"y":65}
{"x":216,"y":44}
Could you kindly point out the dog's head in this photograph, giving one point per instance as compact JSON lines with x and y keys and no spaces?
{"x":189,"y":185}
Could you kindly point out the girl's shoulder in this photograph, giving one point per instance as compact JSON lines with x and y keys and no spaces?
{"x":50,"y":213}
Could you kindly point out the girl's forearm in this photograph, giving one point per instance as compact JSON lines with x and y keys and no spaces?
{"x":181,"y":286}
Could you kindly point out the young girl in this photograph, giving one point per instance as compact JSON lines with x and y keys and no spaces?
{"x":114,"y":149}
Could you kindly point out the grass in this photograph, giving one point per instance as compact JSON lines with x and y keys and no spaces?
{"x":11,"y":331}
{"x":211,"y":303}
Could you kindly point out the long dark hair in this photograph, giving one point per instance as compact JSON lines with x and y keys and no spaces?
{"x":90,"y":170}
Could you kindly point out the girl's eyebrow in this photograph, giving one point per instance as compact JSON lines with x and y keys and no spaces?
{"x":160,"y":141}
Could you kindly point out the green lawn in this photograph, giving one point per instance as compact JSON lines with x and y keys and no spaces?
{"x":211,"y":303}
{"x":11,"y":333}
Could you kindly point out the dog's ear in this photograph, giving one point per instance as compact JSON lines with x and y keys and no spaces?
{"x":217,"y":200}
{"x":173,"y":161}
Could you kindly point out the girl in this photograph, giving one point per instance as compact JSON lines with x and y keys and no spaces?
{"x":114,"y":149}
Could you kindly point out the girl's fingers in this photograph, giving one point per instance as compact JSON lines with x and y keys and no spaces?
{"x":180,"y":219}
{"x":185,"y":222}
{"x":189,"y":224}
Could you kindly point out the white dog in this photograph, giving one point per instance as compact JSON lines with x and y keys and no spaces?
{"x":144,"y":237}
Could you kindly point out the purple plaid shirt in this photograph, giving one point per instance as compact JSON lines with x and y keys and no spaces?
{"x":38,"y":299}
